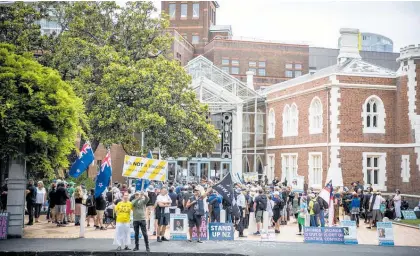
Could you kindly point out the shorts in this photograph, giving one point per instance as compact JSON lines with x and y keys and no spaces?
{"x":376,"y":215}
{"x":195,"y":221}
{"x":164,"y":219}
{"x":100,"y":214}
{"x":60,"y":209}
{"x":259,"y":216}
{"x":284,"y":211}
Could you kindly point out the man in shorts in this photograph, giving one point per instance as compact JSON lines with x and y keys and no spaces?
{"x":260,"y":205}
{"x":163,"y":202}
{"x":195,"y":206}
{"x":61,"y":196}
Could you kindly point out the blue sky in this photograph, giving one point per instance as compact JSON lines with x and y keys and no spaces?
{"x":318,"y":22}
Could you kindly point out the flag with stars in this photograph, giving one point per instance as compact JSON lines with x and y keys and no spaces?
{"x":81,"y":164}
{"x":104,"y":175}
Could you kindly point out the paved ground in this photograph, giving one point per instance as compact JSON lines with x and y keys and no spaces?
{"x":404,"y":236}
{"x":89,"y":246}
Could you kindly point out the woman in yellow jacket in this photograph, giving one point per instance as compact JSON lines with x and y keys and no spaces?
{"x":122,"y":230}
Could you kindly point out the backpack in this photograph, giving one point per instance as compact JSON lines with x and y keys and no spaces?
{"x":317,"y":208}
{"x":262,"y":203}
{"x":281,"y":204}
{"x":89,"y":201}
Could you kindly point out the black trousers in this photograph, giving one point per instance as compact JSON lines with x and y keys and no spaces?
{"x":241,"y":224}
{"x":30,"y":207}
{"x":37,"y":210}
{"x":215,"y":216}
{"x":140,"y":224}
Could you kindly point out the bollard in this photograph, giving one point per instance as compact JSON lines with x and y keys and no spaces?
{"x":222,"y":216}
{"x":82,"y":220}
{"x":152,"y":227}
{"x":266,"y":221}
{"x":252,"y":227}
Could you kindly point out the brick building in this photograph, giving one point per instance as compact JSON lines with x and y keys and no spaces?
{"x":353,"y":121}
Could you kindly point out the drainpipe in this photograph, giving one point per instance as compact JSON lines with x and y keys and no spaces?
{"x":328,"y":128}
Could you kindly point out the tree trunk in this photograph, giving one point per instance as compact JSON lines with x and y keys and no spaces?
{"x":94,"y":144}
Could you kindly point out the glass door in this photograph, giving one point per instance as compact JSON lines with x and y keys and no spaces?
{"x":205,"y":171}
{"x":193,"y":172}
{"x":172,"y":170}
{"x":225,"y":169}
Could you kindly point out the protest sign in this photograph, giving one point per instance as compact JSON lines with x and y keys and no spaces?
{"x":4,"y":225}
{"x":409,"y":215}
{"x":144,"y":168}
{"x":350,"y":231}
{"x":250,"y":176}
{"x":203,"y":229}
{"x":330,"y":235}
{"x":221,"y":231}
{"x":179,"y":227}
{"x":385,"y":233}
{"x":313,"y":235}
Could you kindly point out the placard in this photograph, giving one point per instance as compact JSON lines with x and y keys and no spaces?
{"x":144,"y":168}
{"x":327,"y":235}
{"x":221,"y":231}
{"x":350,"y":231}
{"x":409,"y":215}
{"x":250,"y":176}
{"x":203,"y":229}
{"x":313,"y":235}
{"x":4,"y":225}
{"x":385,"y":233}
{"x":179,"y":227}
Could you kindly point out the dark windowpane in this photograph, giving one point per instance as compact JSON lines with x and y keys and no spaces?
{"x":368,"y":107}
{"x":368,"y":177}
{"x":374,"y":121}
{"x":368,"y":162}
{"x":375,"y":177}
{"x":368,"y":121}
{"x":375,"y":162}
{"x":374,"y":107}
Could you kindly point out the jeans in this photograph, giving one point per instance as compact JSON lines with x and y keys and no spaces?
{"x":30,"y":207}
{"x":322,"y":218}
{"x":37,"y":210}
{"x":215,"y":215}
{"x":314,"y":220}
{"x":77,"y":219}
{"x":142,"y":225}
{"x":355,"y":217}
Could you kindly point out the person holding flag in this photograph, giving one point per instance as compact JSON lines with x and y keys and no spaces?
{"x":326,"y":196}
{"x":82,"y":163}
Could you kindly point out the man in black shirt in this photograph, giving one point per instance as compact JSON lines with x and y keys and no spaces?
{"x":30,"y":201}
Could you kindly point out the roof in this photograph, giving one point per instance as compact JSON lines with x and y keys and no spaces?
{"x":353,"y":67}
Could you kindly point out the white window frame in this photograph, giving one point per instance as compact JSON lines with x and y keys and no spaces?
{"x":172,"y":16}
{"x":235,"y":62}
{"x":286,"y":120}
{"x":259,"y":131}
{"x":289,"y":66}
{"x":405,"y":168}
{"x":261,"y":72}
{"x":288,"y":73}
{"x":252,"y":64}
{"x":186,"y":10}
{"x":315,"y":117}
{"x":380,"y":116}
{"x":381,"y":167}
{"x":196,"y":13}
{"x":294,"y":117}
{"x":288,"y":166}
{"x":193,"y":41}
{"x":226,"y":69}
{"x":271,"y":124}
{"x":315,"y":183}
{"x":298,"y":73}
{"x":271,"y":166}
{"x":236,"y":68}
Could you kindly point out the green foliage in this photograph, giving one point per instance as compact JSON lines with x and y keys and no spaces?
{"x":83,"y":179}
{"x":40,"y":115}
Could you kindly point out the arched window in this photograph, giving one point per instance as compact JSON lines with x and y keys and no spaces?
{"x":315,"y":116}
{"x":245,"y":164}
{"x":290,"y":120}
{"x":286,"y":120}
{"x":373,"y":115}
{"x":271,"y":124}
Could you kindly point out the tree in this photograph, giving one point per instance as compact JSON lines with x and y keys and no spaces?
{"x":40,"y":115}
{"x":113,"y":57}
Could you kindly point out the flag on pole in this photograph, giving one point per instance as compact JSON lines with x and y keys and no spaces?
{"x":225,"y":189}
{"x":327,"y":195}
{"x":150,"y":154}
{"x":86,"y":157}
{"x":104,"y":175}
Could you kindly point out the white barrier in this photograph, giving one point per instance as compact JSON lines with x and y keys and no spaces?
{"x":266,"y":221}
{"x":82,"y":220}
{"x":152,"y":226}
{"x":222,"y":216}
{"x":252,"y":227}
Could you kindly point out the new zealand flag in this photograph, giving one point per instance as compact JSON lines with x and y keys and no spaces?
{"x":104,"y":175}
{"x":82,"y":163}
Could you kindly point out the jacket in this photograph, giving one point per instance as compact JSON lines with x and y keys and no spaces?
{"x":61,"y":196}
{"x":139,"y":208}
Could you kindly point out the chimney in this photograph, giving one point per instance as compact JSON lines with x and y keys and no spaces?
{"x":250,"y":79}
{"x":349,"y":45}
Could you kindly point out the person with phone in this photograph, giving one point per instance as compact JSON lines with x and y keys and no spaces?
{"x":195,"y":206}
{"x":139,"y":219}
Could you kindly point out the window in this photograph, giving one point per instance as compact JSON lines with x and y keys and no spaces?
{"x":290,"y":120}
{"x":172,"y":11}
{"x":315,"y":169}
{"x":235,"y":62}
{"x":196,"y":10}
{"x":195,"y":39}
{"x":374,"y":169}
{"x":261,"y":71}
{"x":289,"y":66}
{"x":405,"y":168}
{"x":234,"y":71}
{"x":373,"y":115}
{"x":252,"y":64}
{"x":315,"y":116}
{"x":261,"y":64}
{"x":260,"y":129}
{"x":271,"y":166}
{"x":298,"y":73}
{"x":246,"y":136}
{"x":226,"y":69}
{"x":253,"y":70}
{"x":298,"y":66}
{"x":271,"y":124}
{"x":184,"y":10}
{"x":225,"y":61}
{"x":289,"y":167}
{"x":288,"y":73}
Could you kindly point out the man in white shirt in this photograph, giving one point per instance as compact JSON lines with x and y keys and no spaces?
{"x":163,"y":202}
{"x":375,"y":206}
{"x":241,"y":203}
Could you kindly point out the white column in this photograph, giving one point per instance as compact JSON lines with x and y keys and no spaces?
{"x":237,"y":141}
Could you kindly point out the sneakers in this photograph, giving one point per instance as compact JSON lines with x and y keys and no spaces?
{"x":154,"y":233}
{"x":164,"y":239}
{"x":147,"y":249}
{"x":136,"y":248}
{"x":158,"y":239}
{"x":277,"y":231}
{"x":257,"y":233}
{"x":199,"y":241}
{"x":119,"y":248}
{"x":126,"y":248}
{"x":102,"y":228}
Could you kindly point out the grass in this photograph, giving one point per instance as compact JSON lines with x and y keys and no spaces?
{"x":411,"y":222}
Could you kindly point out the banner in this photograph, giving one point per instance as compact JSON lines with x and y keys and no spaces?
{"x":4,"y":225}
{"x":221,"y":231}
{"x":409,"y":215}
{"x":203,"y":229}
{"x":179,"y":227}
{"x":330,"y":235}
{"x":250,"y":176}
{"x":385,"y":233}
{"x":350,"y":231}
{"x":144,"y":168}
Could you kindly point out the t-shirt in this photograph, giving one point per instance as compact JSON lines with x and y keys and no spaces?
{"x":31,"y":196}
{"x":123,"y":211}
{"x":40,"y":195}
{"x":377,"y":203}
{"x":164,"y":199}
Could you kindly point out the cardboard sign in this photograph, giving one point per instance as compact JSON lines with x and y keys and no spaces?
{"x":221,"y":231}
{"x":327,"y":235}
{"x":385,"y":233}
{"x":350,"y":231}
{"x":179,"y":227}
{"x":4,"y":225}
{"x":409,"y":215}
{"x":203,"y":230}
{"x":144,"y":168}
{"x":313,"y":235}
